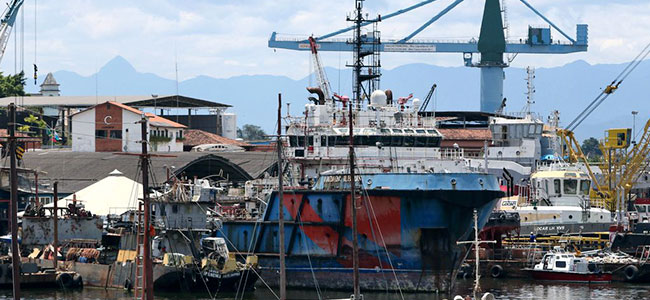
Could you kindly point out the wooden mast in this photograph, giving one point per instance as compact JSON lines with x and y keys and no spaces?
{"x":147,"y":292}
{"x":283,"y":275}
{"x":13,"y":204}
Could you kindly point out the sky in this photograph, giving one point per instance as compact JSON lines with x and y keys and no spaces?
{"x":225,"y":38}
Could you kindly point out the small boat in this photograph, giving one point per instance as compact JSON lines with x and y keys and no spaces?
{"x":563,"y":266}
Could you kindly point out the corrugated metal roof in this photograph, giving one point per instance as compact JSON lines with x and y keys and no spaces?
{"x":133,"y":100}
{"x":65,"y":164}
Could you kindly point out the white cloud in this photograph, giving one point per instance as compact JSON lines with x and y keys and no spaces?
{"x":227,"y":38}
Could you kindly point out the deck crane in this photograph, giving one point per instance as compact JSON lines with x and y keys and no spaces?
{"x":427,"y":99}
{"x":7,"y":23}
{"x":323,"y":82}
{"x":615,"y":175}
{"x":491,"y":44}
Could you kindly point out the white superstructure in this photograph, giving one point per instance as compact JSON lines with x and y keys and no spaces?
{"x":557,"y":201}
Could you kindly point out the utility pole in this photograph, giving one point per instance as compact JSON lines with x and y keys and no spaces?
{"x":147,"y":291}
{"x":283,"y":274}
{"x":55,"y":217}
{"x":13,"y":205}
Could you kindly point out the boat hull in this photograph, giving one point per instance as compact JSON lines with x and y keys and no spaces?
{"x":571,"y":277}
{"x":407,"y":238}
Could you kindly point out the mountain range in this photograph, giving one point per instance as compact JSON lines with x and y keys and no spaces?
{"x":568,"y":88}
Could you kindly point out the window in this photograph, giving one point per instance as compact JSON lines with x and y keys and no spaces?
{"x":100,"y":134}
{"x":570,"y":186}
{"x":584,"y":186}
{"x":560,"y":264}
{"x":409,"y":141}
{"x":398,"y":131}
{"x":640,"y":208}
{"x":420,"y":131}
{"x":116,"y":134}
{"x":556,"y":187}
{"x":175,"y":208}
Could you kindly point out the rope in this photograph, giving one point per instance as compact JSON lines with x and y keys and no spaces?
{"x":617,"y":81}
{"x":252,"y":269}
{"x":311,"y":267}
{"x":390,"y":261}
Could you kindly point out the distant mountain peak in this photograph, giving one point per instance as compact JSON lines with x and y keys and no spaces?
{"x":118,"y":64}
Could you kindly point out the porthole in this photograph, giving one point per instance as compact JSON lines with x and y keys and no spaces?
{"x":570,"y":217}
{"x":525,"y":218}
{"x":554,"y":217}
{"x":601,"y":217}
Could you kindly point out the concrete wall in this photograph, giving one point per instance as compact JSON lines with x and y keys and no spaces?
{"x":131,"y":132}
{"x":83,"y":131}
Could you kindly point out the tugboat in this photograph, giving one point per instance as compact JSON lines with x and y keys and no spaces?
{"x":558,"y":265}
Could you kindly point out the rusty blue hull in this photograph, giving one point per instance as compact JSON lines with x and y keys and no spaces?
{"x":408,"y":228}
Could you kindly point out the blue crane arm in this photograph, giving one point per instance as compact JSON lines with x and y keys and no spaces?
{"x":386,"y":17}
{"x":435,"y":18}
{"x":547,"y":20}
{"x":421,"y":46}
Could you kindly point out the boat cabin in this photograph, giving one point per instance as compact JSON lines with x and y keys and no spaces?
{"x":566,"y":262}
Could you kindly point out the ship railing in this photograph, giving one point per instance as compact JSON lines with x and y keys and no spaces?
{"x":526,"y":195}
{"x":452,"y":153}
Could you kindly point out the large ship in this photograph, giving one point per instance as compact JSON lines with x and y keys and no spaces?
{"x":409,"y":224}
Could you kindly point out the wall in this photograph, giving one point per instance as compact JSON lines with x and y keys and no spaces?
{"x":131,"y":132}
{"x":172,"y":146}
{"x":83,"y":131}
{"x":108,"y":118}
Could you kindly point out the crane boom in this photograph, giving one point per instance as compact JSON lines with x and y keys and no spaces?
{"x":7,"y":23}
{"x":323,"y":82}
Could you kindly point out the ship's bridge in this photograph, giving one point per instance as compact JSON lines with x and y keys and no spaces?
{"x":387,"y":137}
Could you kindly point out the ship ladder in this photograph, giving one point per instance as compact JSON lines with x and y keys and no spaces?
{"x":138,"y":284}
{"x":643,"y":253}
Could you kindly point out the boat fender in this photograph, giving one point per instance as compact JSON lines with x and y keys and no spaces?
{"x":488,"y":296}
{"x":78,"y":281}
{"x":631,"y":272}
{"x":64,"y":280}
{"x":128,"y":285}
{"x":591,"y":267}
{"x":496,"y":271}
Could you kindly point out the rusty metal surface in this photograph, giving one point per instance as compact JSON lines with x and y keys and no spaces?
{"x":40,"y":231}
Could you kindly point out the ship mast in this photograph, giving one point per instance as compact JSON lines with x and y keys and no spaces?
{"x":357,"y":97}
{"x":147,"y":292}
{"x":13,"y":205}
{"x":283,"y":275}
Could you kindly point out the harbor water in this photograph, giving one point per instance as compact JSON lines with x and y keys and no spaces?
{"x":502,"y":289}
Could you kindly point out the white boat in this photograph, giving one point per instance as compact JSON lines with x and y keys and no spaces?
{"x":556,"y":201}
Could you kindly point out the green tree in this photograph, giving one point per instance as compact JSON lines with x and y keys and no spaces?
{"x":590,"y":147}
{"x":251,"y":132}
{"x":12,"y":85}
{"x":33,"y":125}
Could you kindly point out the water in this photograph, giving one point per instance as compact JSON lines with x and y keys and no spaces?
{"x":502,"y":289}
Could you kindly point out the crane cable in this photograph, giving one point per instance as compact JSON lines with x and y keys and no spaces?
{"x":610,"y":89}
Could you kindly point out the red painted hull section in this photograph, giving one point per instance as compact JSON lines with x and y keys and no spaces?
{"x":571,"y":277}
